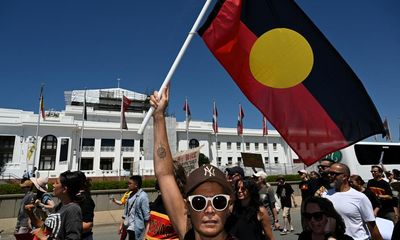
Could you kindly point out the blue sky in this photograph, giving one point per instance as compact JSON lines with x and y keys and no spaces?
{"x":91,"y":43}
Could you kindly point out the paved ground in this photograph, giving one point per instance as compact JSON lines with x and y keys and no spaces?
{"x":107,"y":222}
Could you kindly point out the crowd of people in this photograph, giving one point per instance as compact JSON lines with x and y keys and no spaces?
{"x":210,"y":204}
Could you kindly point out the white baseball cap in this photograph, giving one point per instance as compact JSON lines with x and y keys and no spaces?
{"x":260,"y":174}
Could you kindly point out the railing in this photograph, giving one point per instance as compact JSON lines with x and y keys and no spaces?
{"x":9,"y":177}
{"x":107,"y":148}
{"x":127,"y":149}
{"x":88,"y":149}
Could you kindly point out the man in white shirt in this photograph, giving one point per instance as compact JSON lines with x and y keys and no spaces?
{"x":354,"y":207}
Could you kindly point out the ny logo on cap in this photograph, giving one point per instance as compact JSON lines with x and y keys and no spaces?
{"x":210,"y":171}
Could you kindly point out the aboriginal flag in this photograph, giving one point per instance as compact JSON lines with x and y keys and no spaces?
{"x":292,"y":74}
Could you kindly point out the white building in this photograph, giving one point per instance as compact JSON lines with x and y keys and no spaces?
{"x":102,"y":149}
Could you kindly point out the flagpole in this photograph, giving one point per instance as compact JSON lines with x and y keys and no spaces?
{"x":120,"y":129}
{"x":216,"y":148}
{"x":187,"y":123}
{"x":82,"y":130}
{"x":269,"y":156}
{"x":37,"y":126}
{"x":176,"y":62}
{"x":215,"y":128}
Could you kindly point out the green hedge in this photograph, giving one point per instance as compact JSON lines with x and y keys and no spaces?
{"x":14,"y":188}
{"x":289,"y":177}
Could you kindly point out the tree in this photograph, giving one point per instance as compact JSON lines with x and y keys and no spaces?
{"x":203,"y":159}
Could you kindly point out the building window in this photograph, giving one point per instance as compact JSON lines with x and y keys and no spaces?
{"x":88,"y":145}
{"x":265,"y":146}
{"x":48,"y":151}
{"x":257,"y":146}
{"x":107,"y":145}
{"x":128,"y":164}
{"x":247,"y":146}
{"x":6,"y":148}
{"x":87,"y":164}
{"x":229,"y":145}
{"x":106,"y":163}
{"x":239,"y":159}
{"x":218,"y":145}
{"x":128,"y":145}
{"x":141,"y":145}
{"x":219,"y":161}
{"x":229,"y":160}
{"x":64,"y":149}
{"x":266,"y":160}
{"x":276,"y":160}
{"x":238,"y":145}
{"x":275,"y":146}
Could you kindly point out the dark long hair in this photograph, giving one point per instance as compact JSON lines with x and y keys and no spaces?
{"x":252,"y":209}
{"x":328,"y":209}
{"x":73,"y":182}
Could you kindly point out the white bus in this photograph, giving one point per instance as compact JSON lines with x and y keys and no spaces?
{"x":362,"y":155}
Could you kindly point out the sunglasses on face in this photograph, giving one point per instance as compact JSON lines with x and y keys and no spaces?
{"x":218,"y":202}
{"x":335,"y":174}
{"x":323,"y":167}
{"x":316,"y":215}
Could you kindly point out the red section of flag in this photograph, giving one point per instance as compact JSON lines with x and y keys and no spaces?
{"x":264,"y":127}
{"x":312,"y":120}
{"x":126,"y":102}
{"x":42,"y":107}
{"x":215,"y":119}
{"x":240,"y":121}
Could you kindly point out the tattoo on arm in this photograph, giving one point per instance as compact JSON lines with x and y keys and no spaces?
{"x":161,"y":152}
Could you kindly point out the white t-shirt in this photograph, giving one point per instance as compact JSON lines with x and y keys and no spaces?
{"x":355,"y":209}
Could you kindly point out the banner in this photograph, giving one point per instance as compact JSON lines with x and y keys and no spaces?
{"x":189,"y":159}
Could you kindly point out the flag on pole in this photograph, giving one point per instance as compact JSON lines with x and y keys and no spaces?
{"x":84,"y":107}
{"x":288,"y":69}
{"x":264,"y":126}
{"x":187,"y":113}
{"x":42,"y":104}
{"x":126,"y":102}
{"x":240,"y":121}
{"x":387,"y":130}
{"x":215,"y":119}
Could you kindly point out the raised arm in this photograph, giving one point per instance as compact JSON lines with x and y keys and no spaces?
{"x":164,"y":170}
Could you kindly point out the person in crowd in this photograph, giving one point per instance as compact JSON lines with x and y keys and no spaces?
{"x":285,"y":194}
{"x":323,"y":183}
{"x":358,"y":183}
{"x":123,"y":199}
{"x":396,"y":174}
{"x":354,"y":207}
{"x":307,"y":187}
{"x":137,"y":212}
{"x":123,"y":233}
{"x":207,"y":191}
{"x":314,"y":175}
{"x":87,"y":207}
{"x":44,"y":203}
{"x":66,"y":221}
{"x":267,"y":198}
{"x":383,"y":192}
{"x":23,"y":224}
{"x":322,"y":221}
{"x":234,"y":174}
{"x":249,"y":219}
{"x":160,"y":226}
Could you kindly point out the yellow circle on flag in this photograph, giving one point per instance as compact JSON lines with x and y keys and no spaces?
{"x":281,"y":58}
